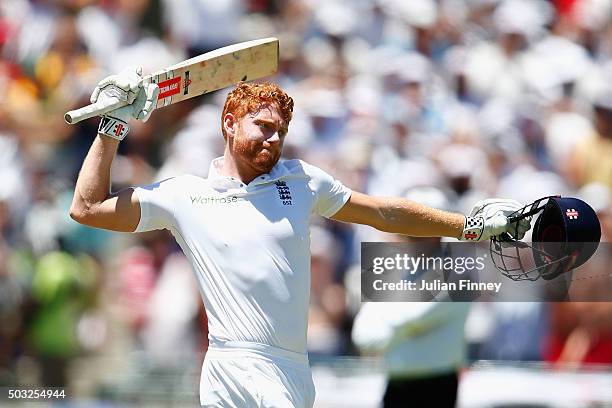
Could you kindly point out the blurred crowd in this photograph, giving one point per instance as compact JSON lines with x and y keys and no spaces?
{"x":473,"y":98}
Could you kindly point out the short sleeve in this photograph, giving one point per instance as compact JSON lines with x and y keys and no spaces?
{"x":330,"y":194}
{"x":156,"y":205}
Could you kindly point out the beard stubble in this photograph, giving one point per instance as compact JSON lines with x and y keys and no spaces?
{"x":255,"y":155}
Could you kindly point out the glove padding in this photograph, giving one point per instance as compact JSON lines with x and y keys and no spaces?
{"x":489,"y":218}
{"x":126,"y":87}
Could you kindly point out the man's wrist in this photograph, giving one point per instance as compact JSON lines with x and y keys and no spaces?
{"x":461,"y":228}
{"x":107,"y":138}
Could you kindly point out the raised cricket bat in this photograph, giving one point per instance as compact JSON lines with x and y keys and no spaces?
{"x":198,"y":75}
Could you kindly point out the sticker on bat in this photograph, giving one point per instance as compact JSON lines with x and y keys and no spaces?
{"x":169,"y":87}
{"x":187,"y":82}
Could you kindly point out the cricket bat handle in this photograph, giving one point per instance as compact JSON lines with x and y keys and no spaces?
{"x":89,"y":111}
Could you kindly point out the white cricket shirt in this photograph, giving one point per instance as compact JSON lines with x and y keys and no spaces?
{"x":249,"y":245}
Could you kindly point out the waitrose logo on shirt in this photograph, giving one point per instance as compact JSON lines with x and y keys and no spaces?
{"x":196,"y":200}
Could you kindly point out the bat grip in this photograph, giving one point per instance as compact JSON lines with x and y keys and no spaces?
{"x":89,"y":111}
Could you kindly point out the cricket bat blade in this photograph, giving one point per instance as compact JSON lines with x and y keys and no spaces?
{"x":205,"y":73}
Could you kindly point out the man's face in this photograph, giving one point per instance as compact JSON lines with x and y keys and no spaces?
{"x":258,"y":138}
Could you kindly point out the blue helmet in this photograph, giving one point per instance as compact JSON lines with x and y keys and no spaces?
{"x":565,"y":235}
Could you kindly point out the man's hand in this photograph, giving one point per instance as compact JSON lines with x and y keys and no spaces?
{"x":126,"y":86}
{"x":489,"y":218}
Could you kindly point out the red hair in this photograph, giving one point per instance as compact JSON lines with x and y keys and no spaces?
{"x":248,"y":97}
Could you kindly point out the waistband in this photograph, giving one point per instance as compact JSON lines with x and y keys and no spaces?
{"x":230,"y":349}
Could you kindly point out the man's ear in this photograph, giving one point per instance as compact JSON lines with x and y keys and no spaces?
{"x":229,"y":124}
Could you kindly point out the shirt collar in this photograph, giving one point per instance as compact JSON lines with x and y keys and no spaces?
{"x":219,"y":180}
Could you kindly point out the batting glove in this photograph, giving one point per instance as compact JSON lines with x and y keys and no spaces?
{"x":126,"y":87}
{"x":489,"y":218}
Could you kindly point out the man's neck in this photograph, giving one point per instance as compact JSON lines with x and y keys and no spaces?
{"x":232,"y":168}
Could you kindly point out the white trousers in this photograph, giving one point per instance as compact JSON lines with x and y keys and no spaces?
{"x":245,"y":375}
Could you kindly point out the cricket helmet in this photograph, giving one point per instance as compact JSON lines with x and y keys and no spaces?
{"x":565,"y":235}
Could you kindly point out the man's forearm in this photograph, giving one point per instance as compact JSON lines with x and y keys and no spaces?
{"x":409,"y":218}
{"x":93,"y":183}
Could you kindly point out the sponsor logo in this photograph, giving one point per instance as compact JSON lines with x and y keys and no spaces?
{"x":187,"y":82}
{"x":283,"y":192}
{"x":169,"y":87}
{"x":470,"y":235}
{"x":572,"y":214}
{"x":118,"y":129}
{"x":202,"y":200}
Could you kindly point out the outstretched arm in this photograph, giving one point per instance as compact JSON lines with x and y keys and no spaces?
{"x":401,"y":216}
{"x":488,"y":218}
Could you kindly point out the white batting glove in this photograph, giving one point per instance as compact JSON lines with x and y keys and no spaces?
{"x":126,"y":87}
{"x":489,"y":218}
